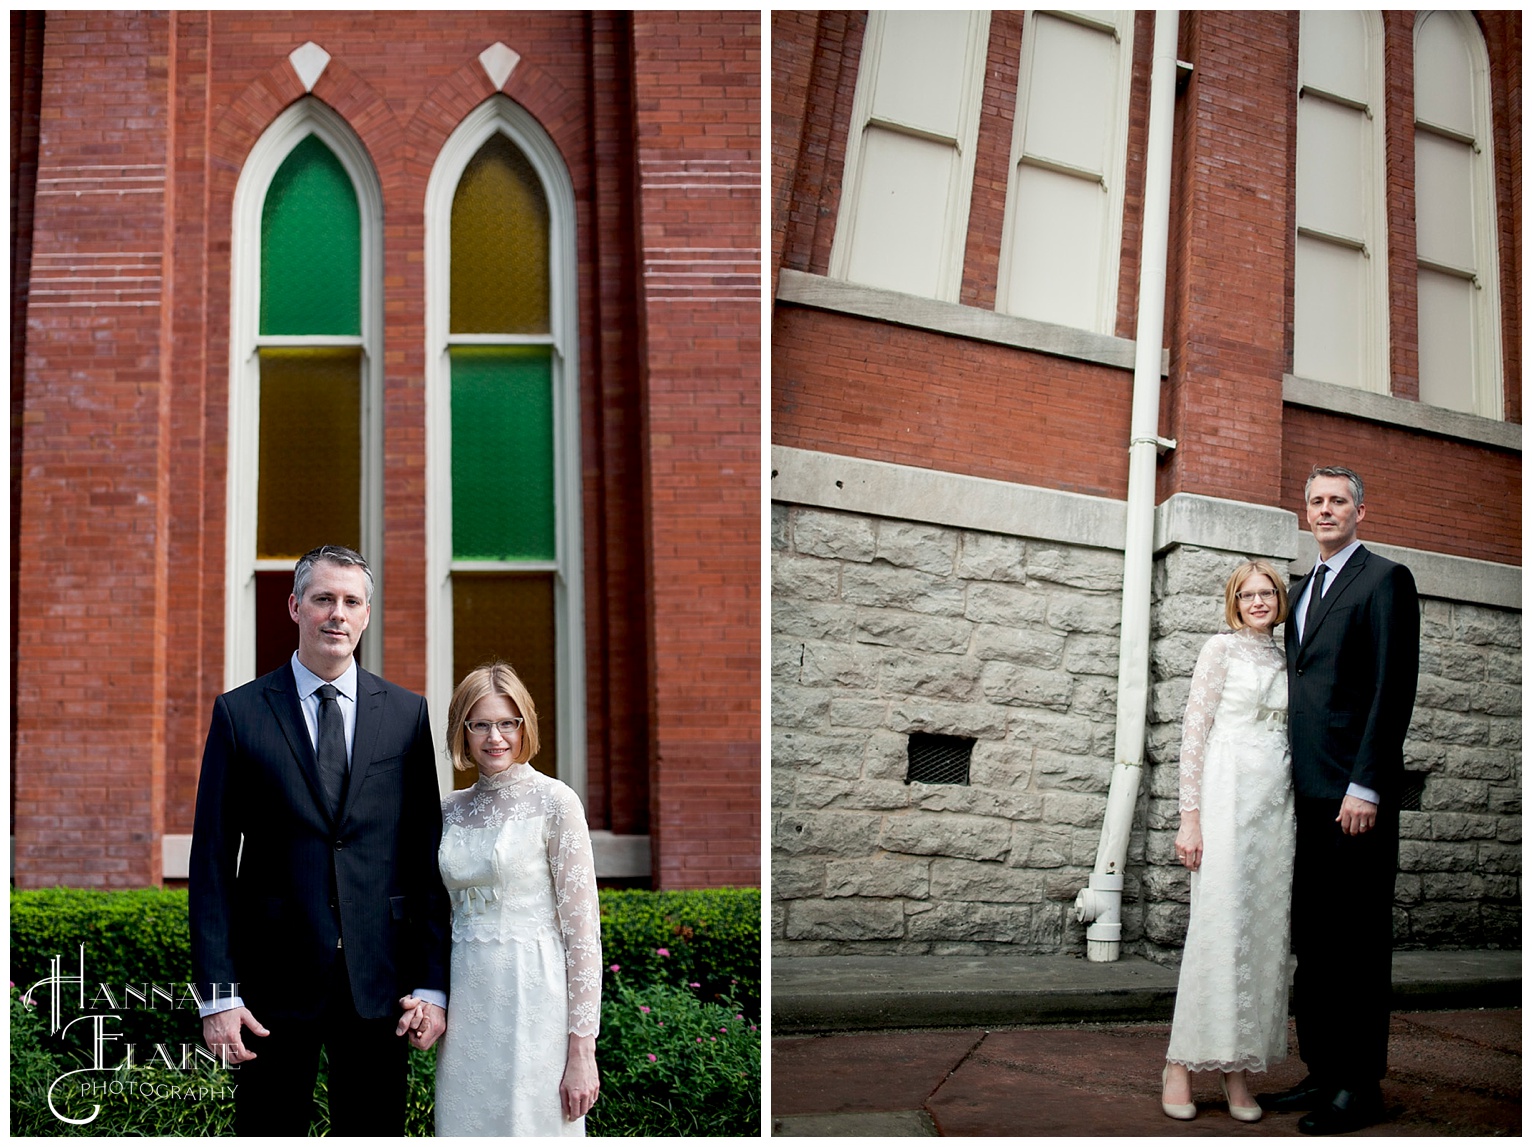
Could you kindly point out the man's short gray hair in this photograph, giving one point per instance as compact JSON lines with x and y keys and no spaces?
{"x":1352,"y":477}
{"x":303,"y":572}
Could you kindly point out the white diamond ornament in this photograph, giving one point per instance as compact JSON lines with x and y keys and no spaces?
{"x":499,"y":62}
{"x":309,"y":62}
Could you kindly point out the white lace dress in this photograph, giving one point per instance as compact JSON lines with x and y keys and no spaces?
{"x":1231,"y":1005}
{"x":526,"y":954}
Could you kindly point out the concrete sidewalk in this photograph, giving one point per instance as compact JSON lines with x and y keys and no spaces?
{"x":870,"y":993}
{"x":971,"y":1046}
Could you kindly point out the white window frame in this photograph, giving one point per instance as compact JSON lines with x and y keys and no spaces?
{"x":1377,"y":369}
{"x":500,"y":114}
{"x":308,"y":116}
{"x":965,"y":143}
{"x":1489,"y":366}
{"x":1113,"y":179}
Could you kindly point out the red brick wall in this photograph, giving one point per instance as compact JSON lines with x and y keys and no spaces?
{"x":1229,"y":343}
{"x":808,"y":225}
{"x":700,"y":361}
{"x":126,"y":409}
{"x":992,"y":161}
{"x":892,"y":394}
{"x":1421,"y":491}
{"x":89,"y":765}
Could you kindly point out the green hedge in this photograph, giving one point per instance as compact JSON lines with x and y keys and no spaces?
{"x":693,"y":956}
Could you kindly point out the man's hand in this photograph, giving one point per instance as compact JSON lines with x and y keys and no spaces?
{"x":222,"y":1029}
{"x":1357,"y":816}
{"x":580,"y":1084}
{"x":425,"y":1022}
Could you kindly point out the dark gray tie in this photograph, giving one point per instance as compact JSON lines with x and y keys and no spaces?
{"x":1316,"y":593}
{"x":331,"y":749}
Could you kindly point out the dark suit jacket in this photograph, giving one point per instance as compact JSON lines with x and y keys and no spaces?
{"x":271,"y":921}
{"x":1351,"y":684}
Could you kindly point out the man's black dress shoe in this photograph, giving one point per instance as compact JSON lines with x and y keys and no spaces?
{"x":1348,"y":1111}
{"x":1306,"y":1096}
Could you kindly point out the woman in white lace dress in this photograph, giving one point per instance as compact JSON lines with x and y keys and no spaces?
{"x":519,"y":1054}
{"x":1237,"y":837}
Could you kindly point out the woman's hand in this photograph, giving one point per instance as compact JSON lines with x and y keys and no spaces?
{"x":1189,"y":841}
{"x":580,"y":1084}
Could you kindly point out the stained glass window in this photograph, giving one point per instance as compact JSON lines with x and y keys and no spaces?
{"x":504,"y":498}
{"x":311,"y":247}
{"x":309,"y":476}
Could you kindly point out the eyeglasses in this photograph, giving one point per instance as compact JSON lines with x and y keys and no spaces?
{"x":1250,"y":595}
{"x":506,"y":727}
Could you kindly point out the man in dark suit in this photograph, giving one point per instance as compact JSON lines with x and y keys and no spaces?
{"x":1353,"y":652}
{"x":315,"y":898}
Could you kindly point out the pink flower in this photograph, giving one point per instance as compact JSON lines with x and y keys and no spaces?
{"x":699,"y":1039}
{"x":752,"y":1027}
{"x":714,"y":1038}
{"x":694,"y":985}
{"x":663,"y":951}
{"x":739,"y":1017}
{"x":662,"y":1023}
{"x":724,"y":1030}
{"x":643,"y":1009}
{"x":653,"y":1058}
{"x":616,"y":967}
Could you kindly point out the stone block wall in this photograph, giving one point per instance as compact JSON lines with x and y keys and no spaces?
{"x":883,"y":628}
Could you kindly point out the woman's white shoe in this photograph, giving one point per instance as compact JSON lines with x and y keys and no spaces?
{"x":1243,"y":1114}
{"x":1174,"y":1110}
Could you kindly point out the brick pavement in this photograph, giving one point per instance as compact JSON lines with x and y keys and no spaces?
{"x":1450,"y":1073}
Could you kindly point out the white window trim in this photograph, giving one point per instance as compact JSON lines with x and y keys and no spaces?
{"x":1489,"y":361}
{"x":308,"y":116}
{"x":500,"y":114}
{"x":960,"y":189}
{"x":1114,"y":178}
{"x":1378,"y":369}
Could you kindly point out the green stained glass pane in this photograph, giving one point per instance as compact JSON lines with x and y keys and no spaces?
{"x":499,"y":245}
{"x":502,"y":454}
{"x":510,"y":617}
{"x":311,"y":247}
{"x":310,"y":488}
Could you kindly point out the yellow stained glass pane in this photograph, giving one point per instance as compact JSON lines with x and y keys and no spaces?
{"x":499,"y":245}
{"x":509,"y":616}
{"x":310,"y":487}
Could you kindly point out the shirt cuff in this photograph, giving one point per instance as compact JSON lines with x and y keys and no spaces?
{"x":1362,"y":794}
{"x":431,"y":996}
{"x":221,"y":1004}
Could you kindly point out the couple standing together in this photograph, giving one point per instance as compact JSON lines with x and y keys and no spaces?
{"x":1291,"y":766}
{"x":329,"y":907}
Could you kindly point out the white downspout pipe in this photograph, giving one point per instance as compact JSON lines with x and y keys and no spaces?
{"x":1100,"y":904}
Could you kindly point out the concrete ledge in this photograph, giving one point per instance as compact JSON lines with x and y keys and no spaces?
{"x":826,"y":294}
{"x":1401,"y":412}
{"x":1220,"y":524}
{"x":1438,"y":575}
{"x":867,"y":993}
{"x":909,"y":493}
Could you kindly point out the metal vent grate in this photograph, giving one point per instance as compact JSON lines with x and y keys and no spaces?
{"x":937,"y":759}
{"x":1410,"y":792}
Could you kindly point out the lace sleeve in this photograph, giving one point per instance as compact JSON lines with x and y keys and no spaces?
{"x":1207,"y":688}
{"x":579,"y":911}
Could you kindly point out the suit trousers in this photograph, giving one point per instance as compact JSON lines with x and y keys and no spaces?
{"x":368,"y":1067}
{"x":1343,"y":897}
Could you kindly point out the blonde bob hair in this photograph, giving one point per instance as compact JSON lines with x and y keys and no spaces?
{"x":490,"y":680}
{"x":1238,"y":578}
